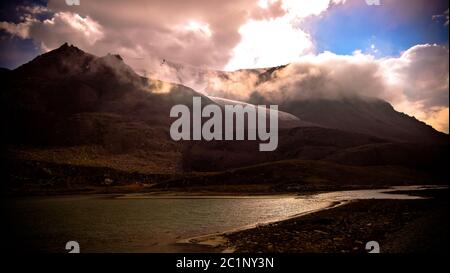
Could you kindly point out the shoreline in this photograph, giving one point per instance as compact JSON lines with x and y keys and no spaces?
{"x":339,"y":207}
{"x":400,"y":226}
{"x":229,"y":241}
{"x":219,"y":240}
{"x":205,"y":192}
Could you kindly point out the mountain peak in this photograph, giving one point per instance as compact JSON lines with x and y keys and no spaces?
{"x":69,"y":60}
{"x":61,"y":62}
{"x":68,"y":48}
{"x":116,"y":56}
{"x":65,"y":45}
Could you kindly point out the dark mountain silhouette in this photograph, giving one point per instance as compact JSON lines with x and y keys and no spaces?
{"x":69,"y":85}
{"x":367,"y":116}
{"x":68,"y":106}
{"x":71,"y":111}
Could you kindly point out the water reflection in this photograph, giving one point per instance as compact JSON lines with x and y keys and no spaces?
{"x":152,"y":224}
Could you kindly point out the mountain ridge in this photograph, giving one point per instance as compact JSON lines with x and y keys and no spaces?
{"x":71,"y":108}
{"x":361,"y":113}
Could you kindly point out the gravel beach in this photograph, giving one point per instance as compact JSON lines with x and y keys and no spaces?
{"x":399,"y":226}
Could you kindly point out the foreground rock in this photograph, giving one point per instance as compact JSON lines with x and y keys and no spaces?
{"x":399,"y":226}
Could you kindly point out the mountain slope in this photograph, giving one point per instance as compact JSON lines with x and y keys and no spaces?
{"x":71,"y":107}
{"x":68,"y":109}
{"x":367,"y":116}
{"x":354,"y":114}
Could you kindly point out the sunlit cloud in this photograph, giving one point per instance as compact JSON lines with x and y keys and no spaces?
{"x":198,"y":27}
{"x":65,"y":26}
{"x":416,"y":82}
{"x":276,"y":41}
{"x":251,"y":34}
{"x":269,"y":43}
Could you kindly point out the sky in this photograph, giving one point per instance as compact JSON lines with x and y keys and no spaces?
{"x":399,"y":47}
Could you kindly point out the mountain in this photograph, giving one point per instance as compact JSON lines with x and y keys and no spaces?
{"x":365,"y":115}
{"x":71,"y":118}
{"x":72,"y":107}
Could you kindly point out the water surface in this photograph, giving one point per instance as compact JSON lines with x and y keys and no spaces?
{"x":140,"y":223}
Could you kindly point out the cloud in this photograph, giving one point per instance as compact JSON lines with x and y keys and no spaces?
{"x":239,"y":34}
{"x":63,"y":26}
{"x":421,"y":74}
{"x":443,"y":17}
{"x":269,"y":43}
{"x":419,"y":78}
{"x":276,"y":41}
{"x":22,"y":29}
{"x":33,"y":9}
{"x":235,"y":34}
{"x":326,"y":75}
{"x":416,"y":82}
{"x":202,"y":33}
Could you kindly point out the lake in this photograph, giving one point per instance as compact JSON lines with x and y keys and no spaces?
{"x":146,"y":223}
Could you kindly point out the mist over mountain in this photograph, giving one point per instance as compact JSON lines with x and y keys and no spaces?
{"x":312,"y":100}
{"x":71,"y":108}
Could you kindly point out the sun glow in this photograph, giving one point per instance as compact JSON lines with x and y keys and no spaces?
{"x":276,"y":41}
{"x":269,"y":43}
{"x":198,"y":27}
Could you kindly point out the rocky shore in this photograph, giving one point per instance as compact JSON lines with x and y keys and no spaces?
{"x":399,"y":226}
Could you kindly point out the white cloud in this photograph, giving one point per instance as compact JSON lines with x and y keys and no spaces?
{"x":63,"y":26}
{"x":416,"y":82}
{"x":21,"y":30}
{"x":201,"y":33}
{"x":276,"y":41}
{"x":269,"y":43}
{"x":420,"y":79}
{"x":33,"y":9}
{"x":232,"y":34}
{"x":241,"y":34}
{"x":198,"y":27}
